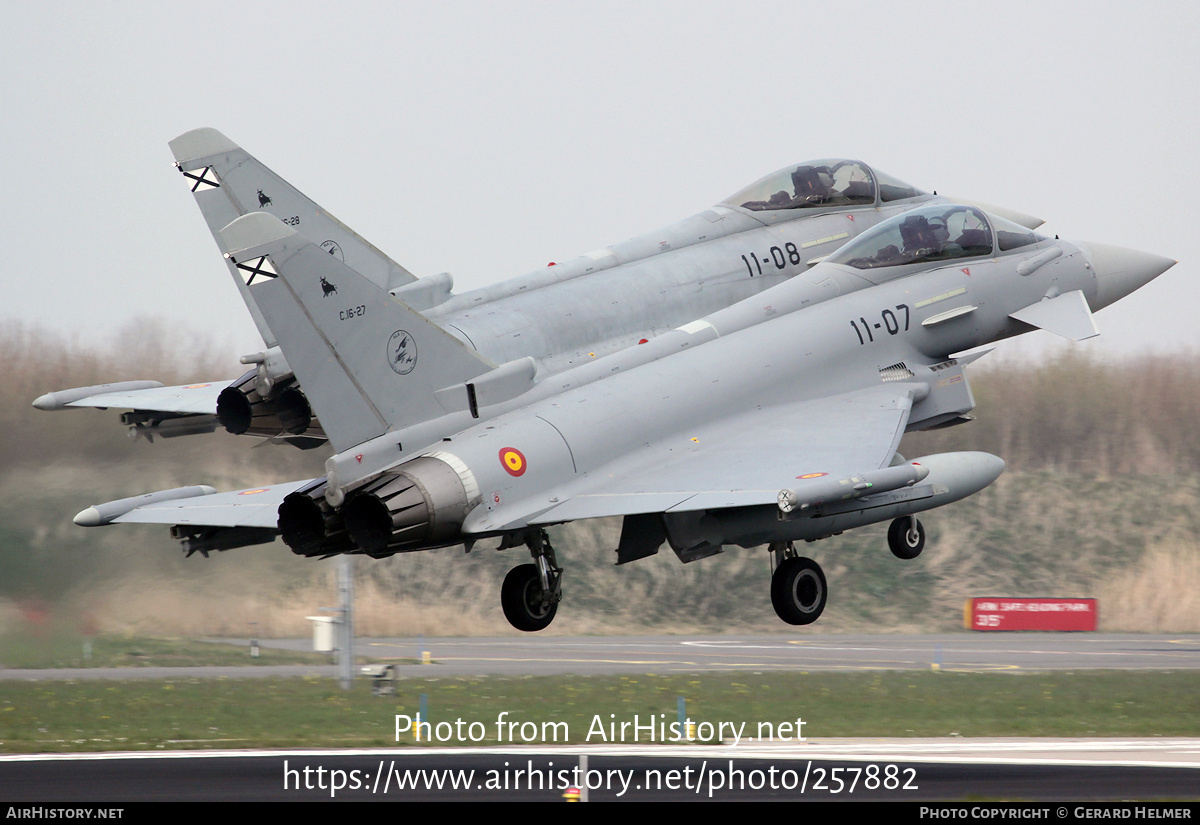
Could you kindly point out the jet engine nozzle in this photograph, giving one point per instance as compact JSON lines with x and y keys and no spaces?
{"x":242,"y":409}
{"x":310,"y":527}
{"x":421,"y":504}
{"x":1120,"y":271}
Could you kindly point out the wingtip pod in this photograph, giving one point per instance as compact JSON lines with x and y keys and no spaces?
{"x":252,"y":231}
{"x":90,"y":517}
{"x":101,"y":514}
{"x":200,"y":144}
{"x":62,"y":398}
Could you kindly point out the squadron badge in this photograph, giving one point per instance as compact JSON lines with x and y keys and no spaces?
{"x":402,"y":352}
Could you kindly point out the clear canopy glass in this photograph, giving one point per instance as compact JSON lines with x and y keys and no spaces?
{"x":932,"y":233}
{"x":1010,"y":235}
{"x":821,"y":183}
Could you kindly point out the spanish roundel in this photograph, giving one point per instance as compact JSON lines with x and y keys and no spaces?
{"x":513,"y":461}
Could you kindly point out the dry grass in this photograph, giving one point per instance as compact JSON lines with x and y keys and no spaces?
{"x":1078,"y":414}
{"x":236,"y":608}
{"x":1157,"y":594}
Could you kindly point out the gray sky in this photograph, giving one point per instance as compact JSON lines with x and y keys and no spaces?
{"x":487,"y":139}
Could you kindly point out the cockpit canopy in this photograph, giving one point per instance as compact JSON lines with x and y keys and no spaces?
{"x":933,"y":233}
{"x":822,"y":183}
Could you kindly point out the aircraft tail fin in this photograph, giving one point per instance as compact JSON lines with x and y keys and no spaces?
{"x":368,"y":363}
{"x":229,"y":182}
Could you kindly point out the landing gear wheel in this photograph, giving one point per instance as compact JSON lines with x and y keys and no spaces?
{"x":525,"y":605}
{"x":906,"y":538}
{"x":798,"y":590}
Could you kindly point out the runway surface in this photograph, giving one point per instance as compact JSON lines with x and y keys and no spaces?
{"x":544,"y":655}
{"x":913,"y":770}
{"x":822,"y":770}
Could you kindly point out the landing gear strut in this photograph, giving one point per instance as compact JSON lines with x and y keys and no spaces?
{"x":798,"y":589}
{"x":906,"y":537}
{"x":531,"y":592}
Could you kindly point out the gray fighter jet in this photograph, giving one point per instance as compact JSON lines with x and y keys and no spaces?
{"x":537,"y":324}
{"x":770,"y":421}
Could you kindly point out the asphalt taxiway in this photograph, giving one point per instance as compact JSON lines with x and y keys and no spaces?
{"x":824,"y":769}
{"x":917,"y":770}
{"x":593,"y":655}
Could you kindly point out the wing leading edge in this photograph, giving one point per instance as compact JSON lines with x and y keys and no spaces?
{"x":199,"y":398}
{"x":746,"y":459}
{"x":252,"y":507}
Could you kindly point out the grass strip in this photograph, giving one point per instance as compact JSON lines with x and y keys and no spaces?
{"x":313,"y":712}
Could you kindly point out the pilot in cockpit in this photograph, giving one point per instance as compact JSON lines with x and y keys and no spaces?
{"x":810,"y":188}
{"x":922,"y":239}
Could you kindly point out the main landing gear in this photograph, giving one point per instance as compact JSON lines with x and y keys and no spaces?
{"x":798,"y":590}
{"x":531,"y":592}
{"x":906,"y":537}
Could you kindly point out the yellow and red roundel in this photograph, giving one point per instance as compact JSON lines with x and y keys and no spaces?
{"x":812,"y":475}
{"x":513,"y":461}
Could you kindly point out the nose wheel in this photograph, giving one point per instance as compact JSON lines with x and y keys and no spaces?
{"x":906,"y":538}
{"x":798,"y":590}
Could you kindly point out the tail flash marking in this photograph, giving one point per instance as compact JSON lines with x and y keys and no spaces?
{"x":257,"y":268}
{"x":205,"y":179}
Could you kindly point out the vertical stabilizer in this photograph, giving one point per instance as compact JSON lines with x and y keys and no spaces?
{"x":228,"y":182}
{"x":368,"y":363}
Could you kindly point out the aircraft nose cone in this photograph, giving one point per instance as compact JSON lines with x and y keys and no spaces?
{"x":1120,"y":271}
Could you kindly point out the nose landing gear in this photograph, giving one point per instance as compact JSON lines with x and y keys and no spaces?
{"x":906,"y":537}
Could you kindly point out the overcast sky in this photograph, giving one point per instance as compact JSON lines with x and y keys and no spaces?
{"x":486,"y":139}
